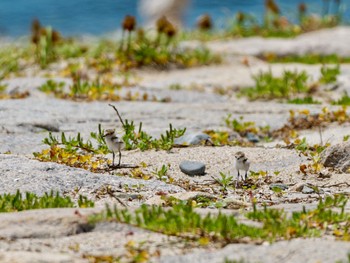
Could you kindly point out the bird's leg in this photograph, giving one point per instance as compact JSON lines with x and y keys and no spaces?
{"x":246,"y":175}
{"x":113,"y":158}
{"x":120,"y":157}
{"x":238,"y":175}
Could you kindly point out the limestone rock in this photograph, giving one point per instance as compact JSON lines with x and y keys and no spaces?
{"x":337,"y":156}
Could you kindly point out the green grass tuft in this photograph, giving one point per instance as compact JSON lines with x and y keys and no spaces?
{"x":306,"y":100}
{"x":344,"y":100}
{"x":183,"y":221}
{"x":19,"y":202}
{"x":270,"y":87}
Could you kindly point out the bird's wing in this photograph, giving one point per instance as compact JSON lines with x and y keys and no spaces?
{"x":116,"y":139}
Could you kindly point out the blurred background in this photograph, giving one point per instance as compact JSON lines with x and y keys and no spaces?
{"x":83,"y":17}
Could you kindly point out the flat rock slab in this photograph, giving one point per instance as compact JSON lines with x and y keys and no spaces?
{"x":27,"y":175}
{"x":324,"y":42}
{"x":45,"y":223}
{"x":294,"y":251}
{"x":32,"y":236}
{"x":25,"y":236}
{"x":38,"y":257}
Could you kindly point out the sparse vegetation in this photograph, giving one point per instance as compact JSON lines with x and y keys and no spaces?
{"x":313,"y":152}
{"x":305,"y":59}
{"x":270,"y":87}
{"x":83,"y":90}
{"x":306,"y":100}
{"x":144,"y":141}
{"x":75,"y":151}
{"x":12,"y":95}
{"x":181,"y":220}
{"x":224,"y":181}
{"x":19,"y":202}
{"x":246,"y":128}
{"x":161,"y":173}
{"x":294,"y":86}
{"x":344,"y":100}
{"x":329,"y":74}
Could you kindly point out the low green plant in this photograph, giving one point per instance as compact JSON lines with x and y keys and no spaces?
{"x":45,"y":40}
{"x":94,"y":90}
{"x":144,"y":141}
{"x":75,"y":151}
{"x":51,"y":86}
{"x":100,"y":140}
{"x":158,"y":51}
{"x":9,"y":58}
{"x":161,"y":173}
{"x":245,"y":127}
{"x":166,"y":141}
{"x":74,"y":144}
{"x":306,"y":100}
{"x":313,"y":152}
{"x":224,"y":181}
{"x":344,"y":100}
{"x":329,"y":74}
{"x":183,"y":221}
{"x":235,"y":261}
{"x":220,"y":137}
{"x":19,"y":202}
{"x":305,"y":59}
{"x":269,"y":87}
{"x":83,"y":90}
{"x":291,"y":85}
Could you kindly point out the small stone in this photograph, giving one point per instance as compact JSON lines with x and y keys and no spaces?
{"x":279,"y":186}
{"x":192,"y":168}
{"x":307,"y":190}
{"x":252,"y":137}
{"x":232,"y":203}
{"x":192,"y":139}
{"x":337,"y":156}
{"x":297,"y":187}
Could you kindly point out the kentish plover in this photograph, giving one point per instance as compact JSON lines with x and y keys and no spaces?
{"x":241,"y":163}
{"x":114,"y":143}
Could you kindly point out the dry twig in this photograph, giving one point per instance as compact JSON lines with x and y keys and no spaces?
{"x":120,"y":118}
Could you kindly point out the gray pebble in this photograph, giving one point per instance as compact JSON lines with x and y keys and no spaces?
{"x":192,"y":168}
{"x":307,"y":190}
{"x":252,"y":137}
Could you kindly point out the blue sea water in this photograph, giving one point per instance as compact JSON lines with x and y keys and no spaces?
{"x":98,"y":17}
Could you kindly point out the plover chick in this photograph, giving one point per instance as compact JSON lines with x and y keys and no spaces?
{"x":241,"y":163}
{"x":114,"y":143}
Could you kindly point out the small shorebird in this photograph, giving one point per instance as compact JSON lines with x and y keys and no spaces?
{"x":241,"y":163}
{"x":114,"y":143}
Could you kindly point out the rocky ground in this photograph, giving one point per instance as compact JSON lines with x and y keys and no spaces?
{"x":203,"y":97}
